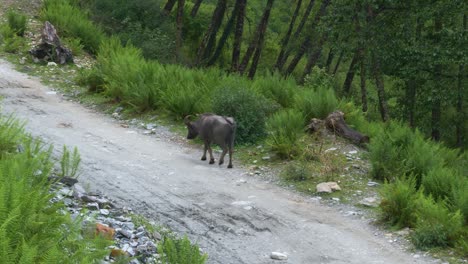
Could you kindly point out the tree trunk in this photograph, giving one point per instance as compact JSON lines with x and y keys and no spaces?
{"x":238,"y":35}
{"x":285,"y":40}
{"x":461,"y":116}
{"x":280,"y":63}
{"x":338,"y":62}
{"x":363,"y":84}
{"x":207,"y":43}
{"x":227,"y":31}
{"x":336,"y":123}
{"x":330,"y":57}
{"x":179,"y":25}
{"x":351,"y":71}
{"x":195,"y":8}
{"x":298,"y":57}
{"x":313,"y":58}
{"x":307,"y":40}
{"x":257,"y":40}
{"x":411,"y":90}
{"x":436,"y":100}
{"x":168,"y":6}
{"x":383,"y":108}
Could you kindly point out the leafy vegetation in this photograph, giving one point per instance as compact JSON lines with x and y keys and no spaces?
{"x":403,"y":81}
{"x":180,"y":251}
{"x":33,"y":229}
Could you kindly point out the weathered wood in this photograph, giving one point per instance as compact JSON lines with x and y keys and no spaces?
{"x":336,"y":123}
{"x":51,"y":48}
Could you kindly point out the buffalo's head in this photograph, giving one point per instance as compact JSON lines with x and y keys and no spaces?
{"x":192,"y":128}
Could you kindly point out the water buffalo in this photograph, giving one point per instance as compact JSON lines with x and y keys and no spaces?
{"x":213,"y":129}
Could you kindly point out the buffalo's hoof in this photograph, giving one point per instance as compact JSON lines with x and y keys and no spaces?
{"x":221,"y":162}
{"x":230,"y":166}
{"x":212,"y":161}
{"x":203,"y":158}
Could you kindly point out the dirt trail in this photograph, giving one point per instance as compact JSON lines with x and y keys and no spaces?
{"x":234,"y":222}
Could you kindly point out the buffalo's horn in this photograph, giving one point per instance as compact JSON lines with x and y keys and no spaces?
{"x":187,"y":120}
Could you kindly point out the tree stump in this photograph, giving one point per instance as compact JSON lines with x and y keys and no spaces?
{"x":51,"y":48}
{"x":335,"y":123}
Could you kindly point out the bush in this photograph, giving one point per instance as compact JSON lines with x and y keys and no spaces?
{"x":34,"y":230}
{"x":460,"y":198}
{"x":275,"y":87}
{"x":399,"y":202}
{"x":296,"y":171}
{"x":440,"y":183}
{"x":70,"y":21}
{"x":74,"y":45}
{"x":180,"y":251}
{"x":436,"y":226}
{"x":316,"y":102}
{"x":284,"y":130}
{"x":17,"y":22}
{"x":92,"y":78}
{"x":249,"y":109}
{"x":12,"y":42}
{"x":11,"y":134}
{"x":388,"y":151}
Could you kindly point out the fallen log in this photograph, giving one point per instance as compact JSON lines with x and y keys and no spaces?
{"x":336,"y":124}
{"x":51,"y":48}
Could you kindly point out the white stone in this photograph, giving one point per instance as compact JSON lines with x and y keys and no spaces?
{"x":278,"y":256}
{"x":51,"y":63}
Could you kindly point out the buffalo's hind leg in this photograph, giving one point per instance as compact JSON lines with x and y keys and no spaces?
{"x":221,"y":159}
{"x":212,"y":161}
{"x":230,"y":158}
{"x":204,"y":152}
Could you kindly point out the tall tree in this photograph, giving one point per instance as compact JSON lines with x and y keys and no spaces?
{"x":285,"y":40}
{"x":227,"y":31}
{"x":282,"y":60}
{"x":379,"y":83}
{"x":257,"y":40}
{"x":238,"y":34}
{"x":436,"y":96}
{"x":195,"y":8}
{"x":169,"y":5}
{"x":179,"y":23}
{"x":363,"y":85}
{"x":206,"y":46}
{"x":307,"y":41}
{"x":351,"y":71}
{"x":460,"y":137}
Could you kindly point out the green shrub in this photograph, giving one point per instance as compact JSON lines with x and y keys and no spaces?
{"x":440,"y":183}
{"x":436,"y":226}
{"x":70,"y":162}
{"x":249,"y":109}
{"x":180,"y":251}
{"x":460,"y":197}
{"x":284,"y":130}
{"x":11,"y":134}
{"x":296,"y":171}
{"x":33,"y":229}
{"x":275,"y":87}
{"x":318,"y":78}
{"x":388,"y":150}
{"x":316,"y":102}
{"x":17,"y":22}
{"x":70,"y":21}
{"x":92,"y":78}
{"x":399,"y":202}
{"x":74,"y":45}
